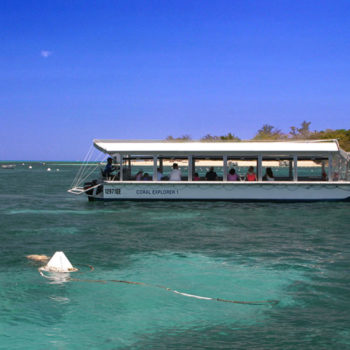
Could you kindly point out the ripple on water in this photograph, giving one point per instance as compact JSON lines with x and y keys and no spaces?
{"x":129,"y":312}
{"x":297,"y":253}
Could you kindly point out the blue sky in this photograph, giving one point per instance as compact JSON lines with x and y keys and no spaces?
{"x":71,"y":71}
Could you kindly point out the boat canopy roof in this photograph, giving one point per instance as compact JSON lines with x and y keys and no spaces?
{"x":312,"y":148}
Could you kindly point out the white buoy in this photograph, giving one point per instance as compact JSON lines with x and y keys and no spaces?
{"x":30,"y":167}
{"x":48,"y":169}
{"x":59,"y":263}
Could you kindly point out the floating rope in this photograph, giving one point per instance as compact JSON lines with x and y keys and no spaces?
{"x":260,"y":302}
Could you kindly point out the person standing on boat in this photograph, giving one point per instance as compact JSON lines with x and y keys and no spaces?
{"x":109,"y":168}
{"x":175,"y":174}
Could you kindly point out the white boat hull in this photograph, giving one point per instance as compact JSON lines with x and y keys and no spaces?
{"x":233,"y":191}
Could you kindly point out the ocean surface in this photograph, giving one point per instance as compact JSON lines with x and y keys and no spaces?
{"x":295,"y":253}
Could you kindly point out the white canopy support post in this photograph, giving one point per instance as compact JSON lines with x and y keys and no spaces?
{"x":339,"y":166}
{"x":295,"y":168}
{"x":121,"y":168}
{"x":155,"y":161}
{"x":128,"y":172}
{"x":189,"y":167}
{"x":290,"y":169}
{"x":224,"y":178}
{"x":259,"y":167}
{"x":330,"y":167}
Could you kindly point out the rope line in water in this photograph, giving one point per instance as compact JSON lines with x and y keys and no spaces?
{"x":262,"y":302}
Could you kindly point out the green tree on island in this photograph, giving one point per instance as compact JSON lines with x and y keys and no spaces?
{"x":181,"y":138}
{"x":301,"y":133}
{"x":269,"y":132}
{"x":228,"y":137}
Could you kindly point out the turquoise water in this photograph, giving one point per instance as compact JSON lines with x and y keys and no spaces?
{"x":296,"y":253}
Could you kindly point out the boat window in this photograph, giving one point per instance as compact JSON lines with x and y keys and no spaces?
{"x":241,"y":165}
{"x":279,"y":168}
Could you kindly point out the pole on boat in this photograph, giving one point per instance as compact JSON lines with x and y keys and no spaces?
{"x":224,"y":177}
{"x":155,"y":160}
{"x":190,"y":168}
{"x":121,"y":168}
{"x":295,"y":168}
{"x":193,"y":165}
{"x":330,"y":166}
{"x":259,"y":167}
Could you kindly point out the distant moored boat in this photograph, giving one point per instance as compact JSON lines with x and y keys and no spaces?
{"x":8,"y":166}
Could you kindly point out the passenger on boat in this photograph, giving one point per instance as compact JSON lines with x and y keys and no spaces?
{"x":159,"y":174}
{"x":232,"y":176}
{"x":268,"y":175}
{"x":211,"y":175}
{"x":139,"y":175}
{"x":250,"y":176}
{"x":109,"y":168}
{"x":175,"y":174}
{"x":146,"y":177}
{"x":196,"y":177}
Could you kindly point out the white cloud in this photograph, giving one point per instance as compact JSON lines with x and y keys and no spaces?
{"x":45,"y":53}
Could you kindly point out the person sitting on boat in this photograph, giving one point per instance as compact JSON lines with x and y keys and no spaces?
{"x":196,"y":177}
{"x":268,"y":175}
{"x":250,"y":176}
{"x":159,"y":174}
{"x":175,"y":174}
{"x":232,"y":176}
{"x":139,"y":175}
{"x":109,"y":168}
{"x":146,"y":177}
{"x":211,"y":175}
